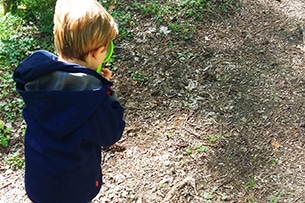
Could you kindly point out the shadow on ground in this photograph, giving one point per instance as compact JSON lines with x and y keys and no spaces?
{"x":255,"y":102}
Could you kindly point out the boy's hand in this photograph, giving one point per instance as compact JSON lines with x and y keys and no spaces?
{"x":107,"y":73}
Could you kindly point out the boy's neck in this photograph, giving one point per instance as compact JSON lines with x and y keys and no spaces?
{"x":75,"y":61}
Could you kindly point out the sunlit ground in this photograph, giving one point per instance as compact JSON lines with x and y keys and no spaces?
{"x":292,"y":9}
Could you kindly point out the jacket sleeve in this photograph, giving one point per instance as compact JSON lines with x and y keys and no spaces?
{"x":108,"y":122}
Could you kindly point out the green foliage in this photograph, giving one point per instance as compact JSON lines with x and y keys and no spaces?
{"x":138,"y":76}
{"x":214,"y":138}
{"x":179,"y":16}
{"x":227,"y":5}
{"x":209,"y":195}
{"x":198,"y":148}
{"x":189,"y":150}
{"x":41,"y":12}
{"x":29,"y":24}
{"x":275,"y":198}
{"x":171,"y":15}
{"x":251,"y":184}
{"x":160,"y":12}
{"x":16,"y":161}
{"x":9,"y":5}
{"x":123,"y":17}
{"x":9,"y":24}
{"x":4,"y":140}
{"x":17,"y":40}
{"x":184,"y":30}
{"x":124,"y":20}
{"x":10,"y":106}
{"x":4,"y":134}
{"x":38,"y":11}
{"x":185,"y":55}
{"x":193,"y":8}
{"x":224,"y":197}
{"x":11,"y":110}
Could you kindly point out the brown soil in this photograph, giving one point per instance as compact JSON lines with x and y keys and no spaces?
{"x":225,"y":123}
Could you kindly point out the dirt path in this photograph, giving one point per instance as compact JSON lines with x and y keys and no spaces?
{"x":226,"y":124}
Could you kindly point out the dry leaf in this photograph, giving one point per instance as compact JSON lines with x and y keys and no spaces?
{"x":275,"y":144}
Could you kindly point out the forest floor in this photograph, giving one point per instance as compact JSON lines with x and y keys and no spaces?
{"x":220,"y":118}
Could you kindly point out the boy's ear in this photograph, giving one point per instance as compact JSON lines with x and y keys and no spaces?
{"x":98,"y":51}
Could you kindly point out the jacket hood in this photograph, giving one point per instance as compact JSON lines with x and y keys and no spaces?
{"x":56,"y":112}
{"x":36,"y":65}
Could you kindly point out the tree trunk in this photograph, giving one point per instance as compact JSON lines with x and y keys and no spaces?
{"x":6,"y":6}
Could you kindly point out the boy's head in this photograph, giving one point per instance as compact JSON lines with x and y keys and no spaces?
{"x":81,"y":27}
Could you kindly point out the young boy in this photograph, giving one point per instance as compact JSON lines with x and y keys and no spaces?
{"x":70,"y":109}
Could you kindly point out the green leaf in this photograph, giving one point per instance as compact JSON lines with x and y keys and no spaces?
{"x":208,"y":196}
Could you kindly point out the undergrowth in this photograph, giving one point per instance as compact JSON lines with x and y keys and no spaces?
{"x":180,"y":16}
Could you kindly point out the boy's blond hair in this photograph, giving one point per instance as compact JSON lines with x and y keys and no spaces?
{"x":80,"y":27}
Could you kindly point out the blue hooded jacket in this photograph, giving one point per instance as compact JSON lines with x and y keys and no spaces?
{"x":70,"y":115}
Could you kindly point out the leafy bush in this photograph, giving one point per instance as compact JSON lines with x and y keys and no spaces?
{"x":35,"y":19}
{"x":15,"y":161}
{"x":4,"y":134}
{"x":41,"y":13}
{"x":17,"y":40}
